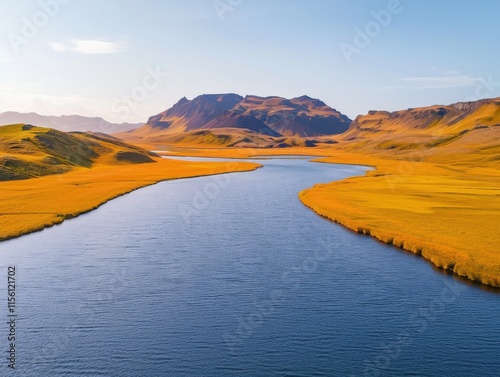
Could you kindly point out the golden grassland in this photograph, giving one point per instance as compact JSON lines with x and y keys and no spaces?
{"x":31,"y":205}
{"x":29,"y":152}
{"x":213,"y":138}
{"x":435,"y":192}
{"x":92,"y":176}
{"x":450,"y":217}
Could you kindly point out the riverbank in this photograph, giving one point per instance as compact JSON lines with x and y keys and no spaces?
{"x":448,"y":215}
{"x":32,"y":205}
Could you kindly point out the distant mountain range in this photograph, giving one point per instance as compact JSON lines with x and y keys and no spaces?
{"x":66,"y":123}
{"x":231,"y":119}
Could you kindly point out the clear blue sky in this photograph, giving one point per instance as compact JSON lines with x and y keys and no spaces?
{"x":89,"y":56}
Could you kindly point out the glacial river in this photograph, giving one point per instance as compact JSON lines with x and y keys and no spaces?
{"x":231,"y":275}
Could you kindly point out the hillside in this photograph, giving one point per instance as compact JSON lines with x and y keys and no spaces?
{"x":467,"y":131}
{"x":227,"y":138}
{"x":435,"y":191}
{"x":47,"y":176}
{"x":270,"y":119}
{"x":27,"y":151}
{"x":66,"y":123}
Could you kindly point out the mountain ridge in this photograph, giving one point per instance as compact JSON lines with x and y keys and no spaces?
{"x":253,"y":120}
{"x":462,"y":129}
{"x":66,"y":123}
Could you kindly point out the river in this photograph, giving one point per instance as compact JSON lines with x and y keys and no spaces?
{"x":231,"y":275}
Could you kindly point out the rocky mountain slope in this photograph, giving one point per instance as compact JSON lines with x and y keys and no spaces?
{"x":264,"y":117}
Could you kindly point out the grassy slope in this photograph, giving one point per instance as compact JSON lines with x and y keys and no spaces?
{"x":214,"y":138}
{"x":28,"y":152}
{"x":96,"y":170}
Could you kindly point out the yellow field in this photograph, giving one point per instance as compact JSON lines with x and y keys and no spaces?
{"x":449,"y":217}
{"x":436,"y":190}
{"x":30,"y":205}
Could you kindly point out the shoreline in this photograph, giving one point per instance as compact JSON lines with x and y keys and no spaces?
{"x":326,"y":200}
{"x":75,"y":180}
{"x":418,"y":250}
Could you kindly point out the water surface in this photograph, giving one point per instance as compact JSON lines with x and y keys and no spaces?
{"x":232,"y":276}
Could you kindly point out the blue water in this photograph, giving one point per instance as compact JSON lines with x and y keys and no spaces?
{"x":232,"y":276}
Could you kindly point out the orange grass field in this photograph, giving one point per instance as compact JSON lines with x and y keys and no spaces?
{"x":30,"y":205}
{"x":450,"y":217}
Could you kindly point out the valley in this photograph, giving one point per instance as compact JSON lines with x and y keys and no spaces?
{"x":434,"y":190}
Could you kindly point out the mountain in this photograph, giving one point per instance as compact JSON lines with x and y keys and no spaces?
{"x":302,"y":116}
{"x":259,"y":119}
{"x":231,"y":119}
{"x":27,"y":151}
{"x":66,"y":123}
{"x":458,"y":118}
{"x":188,"y":115}
{"x":462,"y":129}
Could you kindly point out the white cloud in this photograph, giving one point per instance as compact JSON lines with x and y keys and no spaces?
{"x":56,"y":46}
{"x":95,"y":47}
{"x":88,"y":46}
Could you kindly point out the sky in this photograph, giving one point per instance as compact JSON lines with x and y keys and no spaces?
{"x":126,"y":60}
